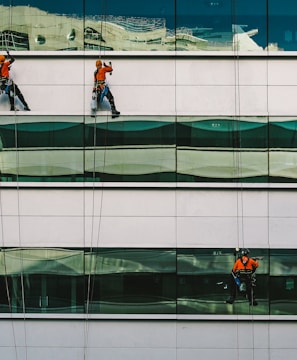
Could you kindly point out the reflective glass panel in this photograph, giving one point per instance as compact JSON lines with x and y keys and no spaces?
{"x":42,"y":148}
{"x":204,"y":282}
{"x":42,"y":25}
{"x":222,"y":149}
{"x":130,"y":25}
{"x":221,"y":25}
{"x":131,"y":281}
{"x":282,"y":24}
{"x":131,"y":150}
{"x":283,"y":282}
{"x":203,"y":25}
{"x":41,"y":280}
{"x":249,"y":25}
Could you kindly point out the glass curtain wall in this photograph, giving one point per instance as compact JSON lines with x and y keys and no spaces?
{"x":149,"y":149}
{"x":143,"y":281}
{"x":186,"y":25}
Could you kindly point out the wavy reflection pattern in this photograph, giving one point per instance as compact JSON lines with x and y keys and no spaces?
{"x":149,"y":149}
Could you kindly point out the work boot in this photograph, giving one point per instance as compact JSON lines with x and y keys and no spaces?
{"x":115,"y":113}
{"x":230,"y":300}
{"x":26,"y":107}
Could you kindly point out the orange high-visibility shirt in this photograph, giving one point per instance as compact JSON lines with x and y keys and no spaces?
{"x":251,"y":264}
{"x":100,"y":74}
{"x":5,"y":69}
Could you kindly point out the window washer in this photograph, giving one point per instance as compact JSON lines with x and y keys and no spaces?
{"x":7,"y":84}
{"x":101,"y":89}
{"x":243,"y":277}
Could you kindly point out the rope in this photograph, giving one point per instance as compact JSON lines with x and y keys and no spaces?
{"x":268,"y":157}
{"x":19,"y":225}
{"x":6,"y":277}
{"x":237,"y":154}
{"x":91,"y":279}
{"x":19,"y":232}
{"x":176,"y":172}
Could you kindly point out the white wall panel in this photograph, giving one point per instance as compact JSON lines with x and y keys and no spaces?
{"x":10,"y":231}
{"x":251,"y":72}
{"x":52,"y":352}
{"x":279,"y":353}
{"x":282,"y":72}
{"x":140,"y":72}
{"x":205,"y":72}
{"x":55,"y":230}
{"x":281,"y":100}
{"x":252,"y":100}
{"x":137,"y":203}
{"x":282,"y":232}
{"x":201,"y":100}
{"x":49,"y":71}
{"x":283,"y":204}
{"x":131,"y":231}
{"x":218,"y":203}
{"x":207,"y":231}
{"x":186,"y":218}
{"x":157,"y":100}
{"x":129,"y":340}
{"x":51,"y":203}
{"x":161,"y":85}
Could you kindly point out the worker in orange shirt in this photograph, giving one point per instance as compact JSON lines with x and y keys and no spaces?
{"x":7,"y":85}
{"x":101,"y":89}
{"x":243,"y":277}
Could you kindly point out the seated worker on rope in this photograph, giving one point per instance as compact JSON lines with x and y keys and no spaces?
{"x":243,"y":277}
{"x":7,"y":85}
{"x":101,"y":89}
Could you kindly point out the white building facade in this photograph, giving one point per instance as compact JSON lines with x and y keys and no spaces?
{"x":118,"y":234}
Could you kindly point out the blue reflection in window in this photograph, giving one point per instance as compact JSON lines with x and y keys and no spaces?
{"x":282,"y":23}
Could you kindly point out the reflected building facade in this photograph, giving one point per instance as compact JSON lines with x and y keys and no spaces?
{"x":116,"y":233}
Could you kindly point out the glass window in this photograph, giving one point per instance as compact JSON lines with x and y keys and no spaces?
{"x":222,"y":149}
{"x":283,"y":282}
{"x":282,"y":142}
{"x":131,"y":281}
{"x":186,"y":25}
{"x":143,"y":281}
{"x":203,"y":25}
{"x":226,"y":132}
{"x":41,"y":280}
{"x":204,"y":282}
{"x":42,"y":25}
{"x":130,"y":25}
{"x":282,"y":24}
{"x":221,"y":25}
{"x":132,"y":150}
{"x":249,"y":22}
{"x":42,"y":150}
{"x":282,"y":134}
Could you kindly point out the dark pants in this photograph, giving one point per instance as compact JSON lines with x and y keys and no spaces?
{"x":109,"y":97}
{"x":247,"y":279}
{"x":15,"y":91}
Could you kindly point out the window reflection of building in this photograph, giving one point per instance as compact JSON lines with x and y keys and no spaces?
{"x":47,"y":31}
{"x":14,"y":40}
{"x":143,"y":281}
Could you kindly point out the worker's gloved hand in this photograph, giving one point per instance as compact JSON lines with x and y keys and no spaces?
{"x":104,"y":64}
